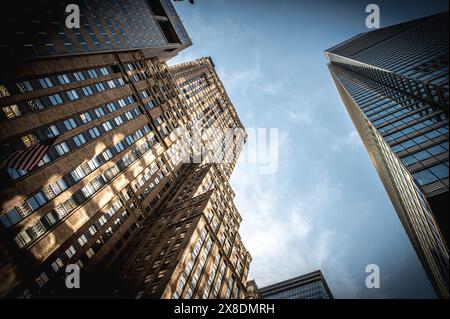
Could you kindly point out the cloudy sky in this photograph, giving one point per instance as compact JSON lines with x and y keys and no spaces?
{"x":324,"y":207}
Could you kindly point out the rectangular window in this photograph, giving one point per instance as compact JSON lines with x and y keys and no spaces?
{"x":70,"y":251}
{"x":79,"y":76}
{"x":86,"y":118}
{"x":77,"y":174}
{"x":11,"y":111}
{"x":55,"y":99}
{"x":63,"y":79}
{"x":70,"y":124}
{"x":99,"y":112}
{"x":25,"y":86}
{"x":111,"y":107}
{"x":107,"y":126}
{"x":45,"y":82}
{"x":52,"y":131}
{"x":118,"y":120}
{"x":79,"y":139}
{"x":62,"y":148}
{"x":94,"y":132}
{"x":87,"y":90}
{"x":73,"y":95}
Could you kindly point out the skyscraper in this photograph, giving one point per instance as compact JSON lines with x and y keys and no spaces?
{"x":38,"y":28}
{"x":308,"y":286}
{"x":394,"y":84}
{"x":119,"y":169}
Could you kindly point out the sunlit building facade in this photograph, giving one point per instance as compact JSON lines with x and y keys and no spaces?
{"x":394,"y":84}
{"x":308,"y":286}
{"x":119,"y":163}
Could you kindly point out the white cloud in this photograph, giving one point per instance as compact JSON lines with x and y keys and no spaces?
{"x":301,"y":116}
{"x":286,"y":239}
{"x":352,"y":139}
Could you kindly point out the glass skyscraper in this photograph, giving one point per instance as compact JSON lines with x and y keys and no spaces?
{"x":308,"y":286}
{"x":394,"y":84}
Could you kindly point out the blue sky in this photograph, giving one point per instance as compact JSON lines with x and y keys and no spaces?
{"x":325,"y":207}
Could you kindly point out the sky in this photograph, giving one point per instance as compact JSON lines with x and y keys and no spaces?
{"x":324,"y":207}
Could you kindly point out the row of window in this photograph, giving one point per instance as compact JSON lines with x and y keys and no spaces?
{"x":39,"y":199}
{"x":425,"y":154}
{"x":62,"y":79}
{"x":190,"y":264}
{"x":431,"y":174}
{"x":76,"y":141}
{"x":420,"y":139}
{"x":400,"y":122}
{"x":84,"y":238}
{"x":15,"y":110}
{"x":79,"y":197}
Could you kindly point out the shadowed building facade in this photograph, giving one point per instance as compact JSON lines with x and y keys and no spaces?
{"x":37,"y":28}
{"x":308,"y":286}
{"x":394,"y":84}
{"x":111,"y":175}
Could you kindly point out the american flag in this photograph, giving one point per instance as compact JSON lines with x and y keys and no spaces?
{"x":28,"y":158}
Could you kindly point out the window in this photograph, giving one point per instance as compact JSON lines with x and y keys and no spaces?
{"x":86,"y":118}
{"x":94,"y":132}
{"x":107,"y":155}
{"x":44,"y":160}
{"x":63,"y":79}
{"x":70,"y":251}
{"x":79,"y":76}
{"x":22,"y":239}
{"x":122,"y":102}
{"x":52,"y":131}
{"x":129,"y":115}
{"x":89,"y":253}
{"x":119,"y":147}
{"x":70,"y":124}
{"x":42,"y":279}
{"x":92,"y":74}
{"x":58,"y":186}
{"x":100,"y":87}
{"x":77,"y":174}
{"x":118,"y":120}
{"x":36,"y":201}
{"x":111,"y":84}
{"x":25,"y":86}
{"x":73,"y":95}
{"x":104,"y":71}
{"x":28,"y":140}
{"x":107,"y":126}
{"x":82,"y":240}
{"x":99,"y":112}
{"x":11,"y":111}
{"x":432,"y":174}
{"x":79,"y":139}
{"x":35,"y":104}
{"x":57,"y":264}
{"x":62,"y":148}
{"x":111,"y":107}
{"x":10,"y":218}
{"x":87,"y":90}
{"x":45,"y":82}
{"x":55,"y":99}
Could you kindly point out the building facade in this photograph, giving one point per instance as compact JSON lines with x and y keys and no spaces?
{"x":32,"y":29}
{"x":308,"y":286}
{"x":126,"y":142}
{"x":394,"y":84}
{"x":253,"y":291}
